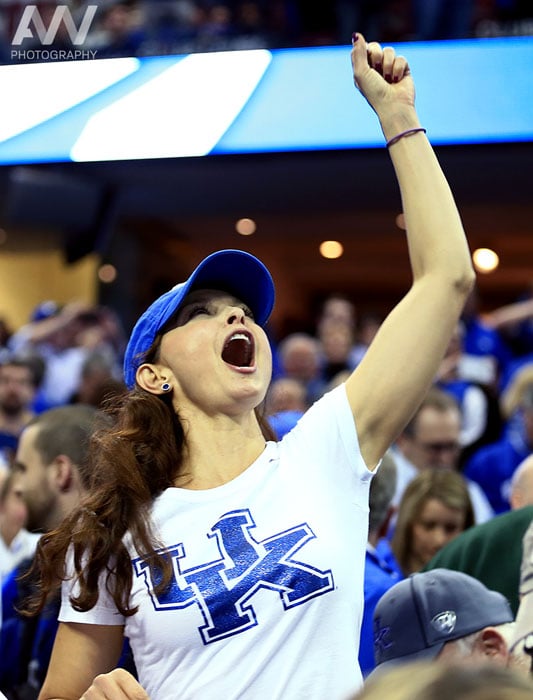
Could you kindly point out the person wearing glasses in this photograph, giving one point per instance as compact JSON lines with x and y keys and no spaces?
{"x":431,"y":440}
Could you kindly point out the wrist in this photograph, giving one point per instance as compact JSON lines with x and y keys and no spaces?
{"x":393,"y":124}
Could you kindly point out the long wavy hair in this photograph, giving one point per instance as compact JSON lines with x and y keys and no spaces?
{"x":131,"y":462}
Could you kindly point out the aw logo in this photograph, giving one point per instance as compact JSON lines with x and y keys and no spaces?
{"x":223,"y":589}
{"x":31,"y":26}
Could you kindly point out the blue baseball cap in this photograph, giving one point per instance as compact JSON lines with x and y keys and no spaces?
{"x":240,"y":274}
{"x":415,"y":618}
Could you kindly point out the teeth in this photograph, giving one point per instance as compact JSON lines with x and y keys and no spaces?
{"x":240,"y":336}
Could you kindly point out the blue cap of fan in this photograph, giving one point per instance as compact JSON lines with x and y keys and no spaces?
{"x":415,"y":618}
{"x":234,"y":271}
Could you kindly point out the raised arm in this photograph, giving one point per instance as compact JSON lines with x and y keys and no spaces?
{"x":403,"y":358}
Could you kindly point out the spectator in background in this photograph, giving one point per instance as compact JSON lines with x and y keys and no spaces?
{"x":19,"y":382}
{"x":299,"y":357}
{"x":379,"y":574}
{"x":64,"y":338}
{"x":336,"y":343}
{"x":52,"y":472}
{"x":448,"y":617}
{"x":337,"y":308}
{"x":368,"y":325}
{"x":523,"y":633}
{"x":217,"y":31}
{"x":485,"y":354}
{"x":515,"y":322}
{"x":431,"y":440}
{"x":424,"y":680}
{"x":119,"y":32}
{"x":521,"y":490}
{"x":492,"y":466}
{"x":5,"y":335}
{"x":434,"y":509}
{"x":365,"y":14}
{"x":16,"y":543}
{"x":336,"y":329}
{"x":480,"y":411}
{"x":285,"y":404}
{"x":491,"y":552}
{"x":98,"y":381}
{"x":442,"y":19}
{"x":251,"y":30}
{"x":286,"y":394}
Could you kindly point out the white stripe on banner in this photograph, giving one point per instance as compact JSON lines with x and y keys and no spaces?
{"x":182,"y":112}
{"x":33,"y":93}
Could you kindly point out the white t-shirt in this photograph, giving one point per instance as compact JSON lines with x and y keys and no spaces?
{"x":267,"y":597}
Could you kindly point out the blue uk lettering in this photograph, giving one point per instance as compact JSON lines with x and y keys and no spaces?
{"x":223,"y":589}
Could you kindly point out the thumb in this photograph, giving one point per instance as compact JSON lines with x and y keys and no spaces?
{"x":367,"y":80}
{"x":359,"y":53}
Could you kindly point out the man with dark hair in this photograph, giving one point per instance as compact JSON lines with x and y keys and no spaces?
{"x":19,"y":381}
{"x":51,"y":462}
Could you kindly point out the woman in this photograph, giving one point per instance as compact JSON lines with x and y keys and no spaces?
{"x":434,"y":509}
{"x":16,"y":543}
{"x":234,"y":564}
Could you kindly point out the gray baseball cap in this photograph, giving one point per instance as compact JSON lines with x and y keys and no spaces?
{"x":415,"y":618}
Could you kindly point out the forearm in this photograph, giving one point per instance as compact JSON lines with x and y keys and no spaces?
{"x":435,"y":234}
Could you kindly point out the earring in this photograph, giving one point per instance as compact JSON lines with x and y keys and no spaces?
{"x":165,"y":386}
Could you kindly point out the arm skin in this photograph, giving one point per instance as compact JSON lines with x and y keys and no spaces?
{"x":82,"y":663}
{"x":401,"y":363}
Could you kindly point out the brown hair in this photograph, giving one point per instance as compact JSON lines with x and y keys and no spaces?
{"x":446,"y":486}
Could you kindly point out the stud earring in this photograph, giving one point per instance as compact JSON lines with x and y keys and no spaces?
{"x":165,"y":386}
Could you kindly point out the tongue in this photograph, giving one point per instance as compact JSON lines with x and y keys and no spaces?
{"x":237,"y":353}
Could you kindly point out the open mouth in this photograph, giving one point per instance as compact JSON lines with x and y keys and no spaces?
{"x":239,"y":349}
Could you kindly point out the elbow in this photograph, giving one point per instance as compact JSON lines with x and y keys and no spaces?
{"x":465,"y":281}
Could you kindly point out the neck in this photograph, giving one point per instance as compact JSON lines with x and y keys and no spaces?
{"x":218,"y":450}
{"x":8,"y":534}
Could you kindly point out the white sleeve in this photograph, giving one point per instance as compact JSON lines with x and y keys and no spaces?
{"x":104,"y":612}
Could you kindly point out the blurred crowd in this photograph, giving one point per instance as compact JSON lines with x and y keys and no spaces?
{"x":160,"y":27}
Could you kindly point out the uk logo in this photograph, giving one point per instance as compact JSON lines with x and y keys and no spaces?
{"x":223,"y":589}
{"x":382,"y":640}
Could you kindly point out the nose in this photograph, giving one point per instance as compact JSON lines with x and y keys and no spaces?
{"x":236,"y":315}
{"x":439,"y":538}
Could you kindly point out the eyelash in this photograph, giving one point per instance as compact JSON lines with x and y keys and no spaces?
{"x":197,"y":309}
